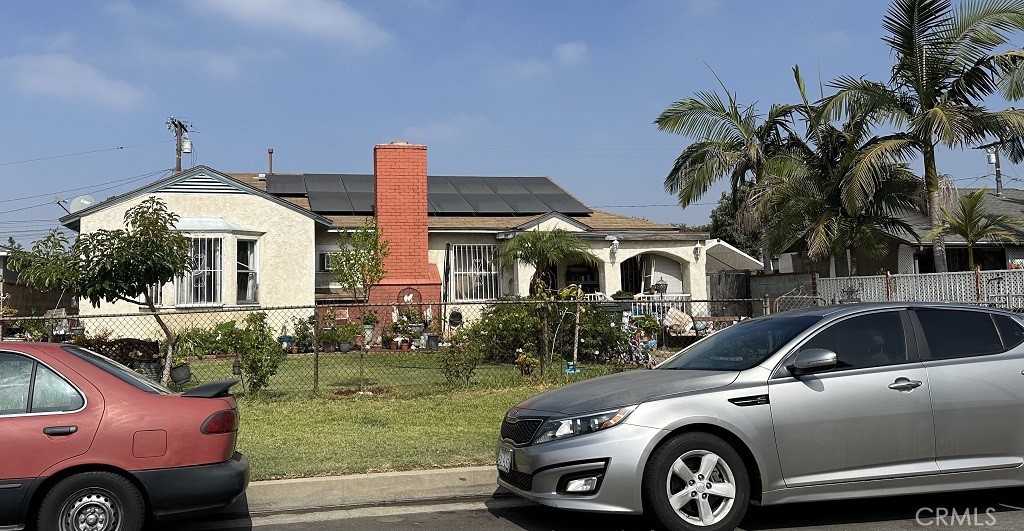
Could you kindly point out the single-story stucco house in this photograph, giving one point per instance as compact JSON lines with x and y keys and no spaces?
{"x":262,"y":239}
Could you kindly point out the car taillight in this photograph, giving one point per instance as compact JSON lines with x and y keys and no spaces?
{"x":221,"y":422}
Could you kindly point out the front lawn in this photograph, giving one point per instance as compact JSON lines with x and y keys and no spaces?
{"x":325,"y":436}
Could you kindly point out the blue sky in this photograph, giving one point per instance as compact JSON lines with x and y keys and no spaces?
{"x":566,"y":89}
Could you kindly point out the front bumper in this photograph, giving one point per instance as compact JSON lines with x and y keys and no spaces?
{"x":617,"y":456}
{"x":175,"y":492}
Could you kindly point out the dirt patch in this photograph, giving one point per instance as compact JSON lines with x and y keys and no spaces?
{"x":376,"y":390}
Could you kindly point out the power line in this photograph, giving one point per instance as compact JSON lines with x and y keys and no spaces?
{"x":116,"y":183}
{"x":82,"y":153}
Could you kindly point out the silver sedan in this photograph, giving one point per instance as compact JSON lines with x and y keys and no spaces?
{"x":819,"y":404}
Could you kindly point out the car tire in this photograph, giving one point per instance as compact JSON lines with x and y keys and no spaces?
{"x":697,"y":481}
{"x":98,"y":501}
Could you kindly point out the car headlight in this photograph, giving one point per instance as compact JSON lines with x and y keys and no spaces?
{"x":557,"y":429}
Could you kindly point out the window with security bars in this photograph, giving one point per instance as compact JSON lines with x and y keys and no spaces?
{"x":202,"y":285}
{"x":474,"y":272}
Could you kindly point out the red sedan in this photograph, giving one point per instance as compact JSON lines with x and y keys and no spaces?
{"x":90,"y":445}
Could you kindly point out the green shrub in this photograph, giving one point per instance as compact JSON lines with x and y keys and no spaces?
{"x":459,"y":359}
{"x":503,"y":328}
{"x":600,"y":334}
{"x":302,"y":335}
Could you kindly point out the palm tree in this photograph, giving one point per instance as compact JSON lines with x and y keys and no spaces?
{"x":543,"y":249}
{"x":731,"y":140}
{"x":973,"y":223}
{"x":839,"y":186}
{"x":945,"y":66}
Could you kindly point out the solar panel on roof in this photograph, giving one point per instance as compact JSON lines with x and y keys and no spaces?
{"x":322,"y":202}
{"x":563,"y":203}
{"x":362,"y":202}
{"x":506,"y":185}
{"x":357,"y":183}
{"x":525,"y":203}
{"x":286,"y":184}
{"x":470,"y":185}
{"x":539,"y":185}
{"x":323,"y":183}
{"x":488,"y":204}
{"x":439,"y":185}
{"x":451,"y":204}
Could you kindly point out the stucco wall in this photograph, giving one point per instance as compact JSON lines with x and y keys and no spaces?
{"x":285,"y":263}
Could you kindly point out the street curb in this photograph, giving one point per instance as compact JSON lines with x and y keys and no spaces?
{"x":370,"y":489}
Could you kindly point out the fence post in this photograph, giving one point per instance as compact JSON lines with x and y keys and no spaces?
{"x":766,"y":305}
{"x":888,"y":286}
{"x":316,"y":349}
{"x":977,"y":282}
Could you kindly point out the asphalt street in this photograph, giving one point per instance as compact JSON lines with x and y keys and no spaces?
{"x":1001,"y":509}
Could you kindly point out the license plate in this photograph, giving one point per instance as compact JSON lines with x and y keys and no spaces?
{"x":504,"y":459}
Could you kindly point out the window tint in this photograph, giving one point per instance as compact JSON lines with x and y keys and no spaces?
{"x":959,"y":333}
{"x":864,"y":341}
{"x":741,"y":346}
{"x":53,"y":393}
{"x":15,"y":380}
{"x":1010,"y":331}
{"x":117,"y":370}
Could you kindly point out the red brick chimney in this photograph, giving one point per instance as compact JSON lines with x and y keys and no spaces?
{"x":400,"y":204}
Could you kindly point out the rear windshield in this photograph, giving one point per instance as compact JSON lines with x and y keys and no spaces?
{"x":742,"y":345}
{"x":117,"y":370}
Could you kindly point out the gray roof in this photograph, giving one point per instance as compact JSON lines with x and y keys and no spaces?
{"x":1010,"y":203}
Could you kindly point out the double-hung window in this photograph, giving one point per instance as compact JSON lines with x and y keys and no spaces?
{"x":474,"y":272}
{"x":202,"y":285}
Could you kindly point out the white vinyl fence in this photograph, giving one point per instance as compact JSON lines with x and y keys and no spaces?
{"x":1003,"y":288}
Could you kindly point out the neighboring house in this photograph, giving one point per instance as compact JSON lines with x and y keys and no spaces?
{"x":24,"y":300}
{"x":263,"y":239}
{"x":906,"y":253}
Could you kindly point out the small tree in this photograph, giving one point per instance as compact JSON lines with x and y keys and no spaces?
{"x":111,"y":265}
{"x":360,"y":262}
{"x":973,"y":223}
{"x":543,"y":249}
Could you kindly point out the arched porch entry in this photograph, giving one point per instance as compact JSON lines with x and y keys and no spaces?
{"x":639,"y":273}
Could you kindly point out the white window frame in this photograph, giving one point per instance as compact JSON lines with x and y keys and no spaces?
{"x":251,"y":271}
{"x":323,"y":261}
{"x":204,"y":273}
{"x":474,"y":272}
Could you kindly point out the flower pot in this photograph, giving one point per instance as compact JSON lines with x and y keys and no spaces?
{"x":394,"y":344}
{"x":415,"y":328}
{"x":405,"y":345}
{"x":368,"y":333}
{"x":295,"y":350}
{"x":433,"y":341}
{"x":345,"y":346}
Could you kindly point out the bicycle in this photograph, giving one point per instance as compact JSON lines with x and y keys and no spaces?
{"x":634,"y":350}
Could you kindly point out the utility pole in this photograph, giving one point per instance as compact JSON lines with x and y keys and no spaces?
{"x":180,"y":133}
{"x":992,"y":149}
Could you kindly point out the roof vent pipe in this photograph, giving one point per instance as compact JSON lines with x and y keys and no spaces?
{"x":270,"y":161}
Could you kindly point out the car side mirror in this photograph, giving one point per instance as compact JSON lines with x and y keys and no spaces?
{"x":813,"y":360}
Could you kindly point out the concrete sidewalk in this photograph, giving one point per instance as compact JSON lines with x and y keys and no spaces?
{"x":370,"y":489}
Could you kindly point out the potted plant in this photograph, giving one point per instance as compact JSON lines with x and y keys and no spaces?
{"x":303,"y":335}
{"x":369,"y":320}
{"x":411,"y":319}
{"x":347,"y":335}
{"x":433,"y":335}
{"x":285,"y":340}
{"x":526,"y":363}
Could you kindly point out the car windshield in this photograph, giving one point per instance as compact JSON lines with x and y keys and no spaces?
{"x":740,"y":346}
{"x":121,"y":372}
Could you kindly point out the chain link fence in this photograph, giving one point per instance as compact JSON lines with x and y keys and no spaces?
{"x":394,"y":349}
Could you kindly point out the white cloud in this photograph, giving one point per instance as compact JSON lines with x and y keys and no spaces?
{"x":61,"y":76}
{"x":333,"y":20}
{"x":571,"y":53}
{"x":454,"y":129}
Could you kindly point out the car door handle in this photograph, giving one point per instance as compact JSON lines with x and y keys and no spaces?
{"x":904,"y":384}
{"x":60,"y":430}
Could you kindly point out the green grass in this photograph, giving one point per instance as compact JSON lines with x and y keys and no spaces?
{"x":325,"y":436}
{"x":395,"y":373}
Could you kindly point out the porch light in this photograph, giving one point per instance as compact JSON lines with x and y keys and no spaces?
{"x":696,"y":252}
{"x":660,"y":286}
